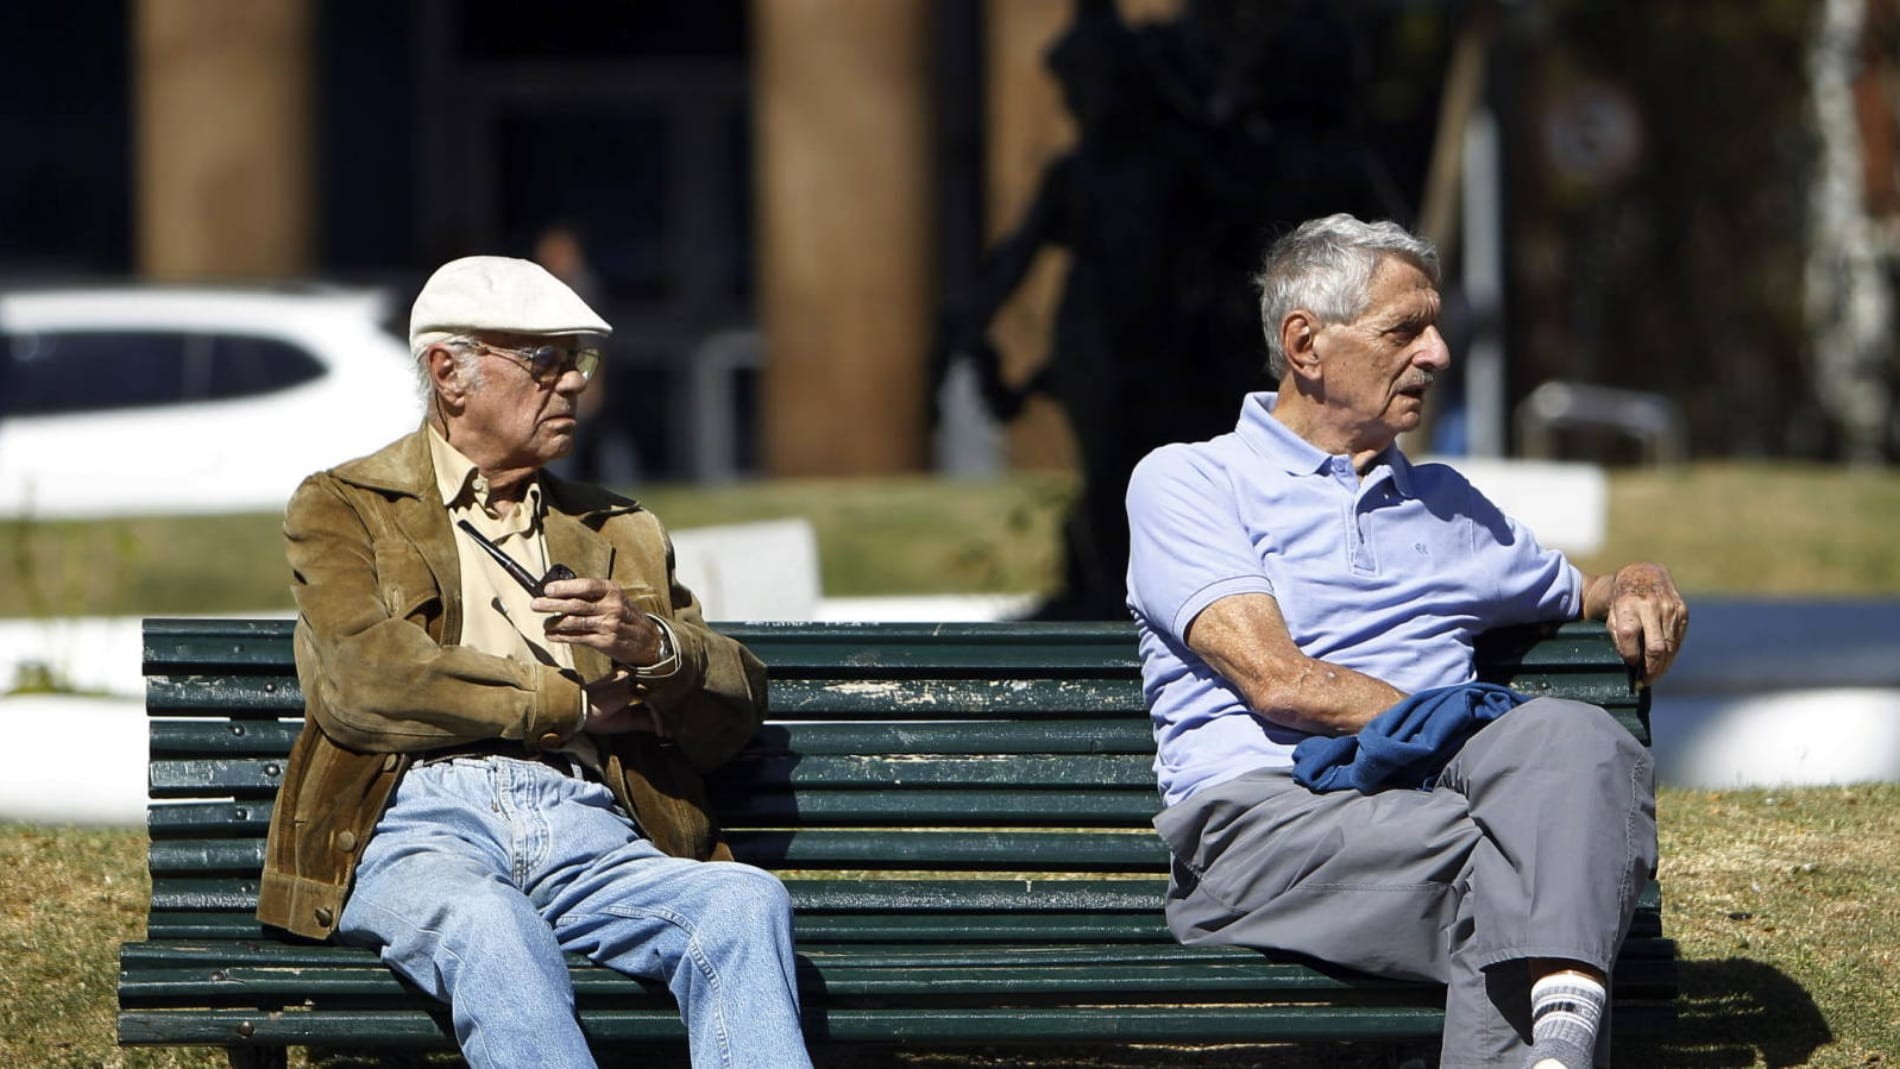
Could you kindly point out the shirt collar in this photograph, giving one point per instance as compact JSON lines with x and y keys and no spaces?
{"x":463,"y":486}
{"x":1276,"y":443}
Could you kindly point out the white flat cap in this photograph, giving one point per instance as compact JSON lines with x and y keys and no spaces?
{"x":497,"y":293}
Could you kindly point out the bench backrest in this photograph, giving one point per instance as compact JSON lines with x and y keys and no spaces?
{"x":968,"y":777}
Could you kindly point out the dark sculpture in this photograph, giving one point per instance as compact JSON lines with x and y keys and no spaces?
{"x":1189,"y":157}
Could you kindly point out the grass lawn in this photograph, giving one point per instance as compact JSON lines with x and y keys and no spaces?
{"x":1755,"y":529}
{"x":1786,"y":905}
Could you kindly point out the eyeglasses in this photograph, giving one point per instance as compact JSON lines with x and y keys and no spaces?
{"x":547,"y":363}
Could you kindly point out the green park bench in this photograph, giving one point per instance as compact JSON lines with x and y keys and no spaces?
{"x":960,"y":811}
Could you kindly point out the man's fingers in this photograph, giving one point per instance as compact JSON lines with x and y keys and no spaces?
{"x":564,"y":606}
{"x":1626,"y":632}
{"x":1671,"y":627}
{"x":1648,"y":635}
{"x":583,"y":589}
{"x":1656,"y":643}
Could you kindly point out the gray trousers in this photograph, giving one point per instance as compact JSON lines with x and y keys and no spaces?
{"x":1535,"y":843}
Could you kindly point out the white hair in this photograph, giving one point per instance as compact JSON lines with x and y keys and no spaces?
{"x":1324,"y":266}
{"x":466,"y":358}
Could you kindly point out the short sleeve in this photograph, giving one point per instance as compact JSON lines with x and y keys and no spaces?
{"x":1538,"y":584}
{"x":1187,"y":545}
{"x":1534,"y":584}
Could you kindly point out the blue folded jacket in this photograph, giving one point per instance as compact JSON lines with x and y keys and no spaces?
{"x":1406,"y":745}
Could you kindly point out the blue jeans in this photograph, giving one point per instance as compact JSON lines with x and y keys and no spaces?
{"x":485,"y":869}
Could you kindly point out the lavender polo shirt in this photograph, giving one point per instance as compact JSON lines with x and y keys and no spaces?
{"x":1392,"y":575}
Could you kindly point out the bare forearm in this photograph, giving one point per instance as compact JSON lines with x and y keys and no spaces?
{"x":1244,"y":638}
{"x":1318,"y":697}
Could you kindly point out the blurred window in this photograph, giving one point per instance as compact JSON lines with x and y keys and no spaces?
{"x":244,"y":366}
{"x":94,"y":371}
{"x":66,"y":372}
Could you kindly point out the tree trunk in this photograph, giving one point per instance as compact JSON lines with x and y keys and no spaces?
{"x":1849,"y":298}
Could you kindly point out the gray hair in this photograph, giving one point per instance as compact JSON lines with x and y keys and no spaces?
{"x":1324,"y":266}
{"x":466,"y":362}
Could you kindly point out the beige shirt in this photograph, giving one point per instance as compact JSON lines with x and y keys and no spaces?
{"x":495,"y":614}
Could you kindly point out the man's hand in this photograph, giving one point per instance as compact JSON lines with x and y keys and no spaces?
{"x":596,"y":613}
{"x":611,"y":709}
{"x":1645,"y":615}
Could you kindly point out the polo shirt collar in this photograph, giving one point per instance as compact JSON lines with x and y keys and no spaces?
{"x":1276,"y":443}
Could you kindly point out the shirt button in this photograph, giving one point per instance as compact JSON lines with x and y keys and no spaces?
{"x":325,"y":917}
{"x":550,"y":741}
{"x":389,"y":762}
{"x":346,"y":841}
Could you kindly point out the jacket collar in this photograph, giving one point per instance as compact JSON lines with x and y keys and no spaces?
{"x":405,"y":467}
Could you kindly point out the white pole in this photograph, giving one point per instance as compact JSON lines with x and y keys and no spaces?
{"x":1484,"y":286}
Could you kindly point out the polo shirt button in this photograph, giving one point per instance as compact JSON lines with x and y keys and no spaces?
{"x":325,"y":917}
{"x":389,"y":762}
{"x":550,"y":741}
{"x":346,"y":841}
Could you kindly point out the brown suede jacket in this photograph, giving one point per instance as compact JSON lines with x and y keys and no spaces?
{"x":379,"y":614}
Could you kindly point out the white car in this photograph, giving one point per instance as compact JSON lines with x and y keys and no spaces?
{"x":143,"y":401}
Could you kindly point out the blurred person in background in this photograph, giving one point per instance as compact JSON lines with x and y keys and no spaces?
{"x":1307,"y":601}
{"x":604,"y":449}
{"x":496,"y":768}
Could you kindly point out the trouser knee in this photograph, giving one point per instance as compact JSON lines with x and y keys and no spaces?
{"x":1575,"y":733}
{"x":748,"y":899}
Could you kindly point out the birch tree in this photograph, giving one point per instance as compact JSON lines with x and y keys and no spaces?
{"x":1849,"y":297}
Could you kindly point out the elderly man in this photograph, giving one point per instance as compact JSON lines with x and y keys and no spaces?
{"x":498,"y":764}
{"x":1297,"y":577}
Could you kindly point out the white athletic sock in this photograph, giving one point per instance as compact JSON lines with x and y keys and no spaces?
{"x":1565,"y":1011}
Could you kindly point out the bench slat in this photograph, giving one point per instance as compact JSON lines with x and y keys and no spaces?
{"x":990,"y":807}
{"x":1124,"y":808}
{"x":1177,"y":980}
{"x":1122,"y":735}
{"x":275,"y":696}
{"x":1098,"y":929}
{"x":1026,"y":896}
{"x":861,"y":849}
{"x":948,"y":770}
{"x":1067,"y":1025}
{"x":194,"y":958}
{"x":1127,"y":733}
{"x":200,"y":777}
{"x":225,"y":695}
{"x":873,"y":897}
{"x":1018,"y":650}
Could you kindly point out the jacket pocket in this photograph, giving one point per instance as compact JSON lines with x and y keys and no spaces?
{"x":406,"y":584}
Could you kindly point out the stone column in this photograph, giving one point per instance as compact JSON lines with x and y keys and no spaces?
{"x":222,"y":149}
{"x":847,"y":294}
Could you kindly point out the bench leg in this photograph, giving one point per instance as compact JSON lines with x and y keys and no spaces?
{"x":258,"y":1057}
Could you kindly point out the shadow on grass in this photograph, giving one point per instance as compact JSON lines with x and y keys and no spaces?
{"x":1736,"y":1012}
